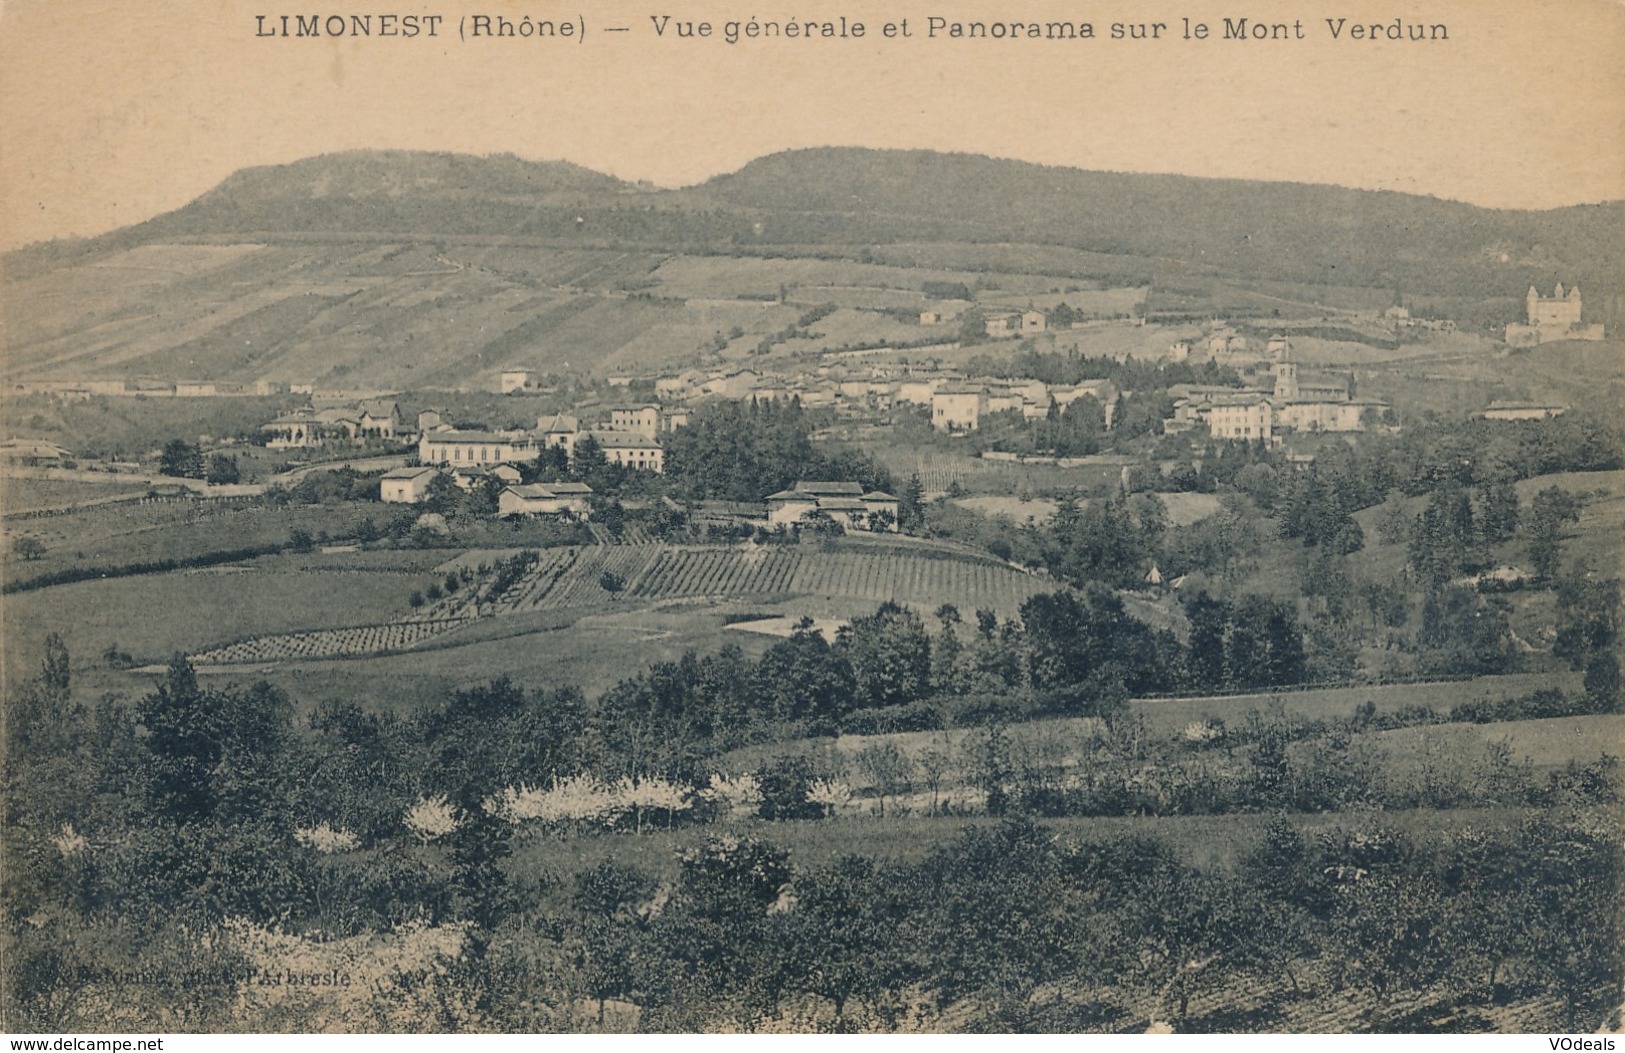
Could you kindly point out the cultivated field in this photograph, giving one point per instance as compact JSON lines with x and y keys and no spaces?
{"x":573,"y":577}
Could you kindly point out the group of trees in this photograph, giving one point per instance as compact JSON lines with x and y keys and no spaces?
{"x":743,"y":451}
{"x":184,"y":460}
{"x":1069,"y":653}
{"x":1063,"y":368}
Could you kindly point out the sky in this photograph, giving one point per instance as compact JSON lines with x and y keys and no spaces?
{"x":112,"y":113}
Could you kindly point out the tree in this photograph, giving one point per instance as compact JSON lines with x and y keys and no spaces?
{"x":28,"y":547}
{"x":785,"y":783}
{"x":888,"y":769}
{"x":1499,"y":515}
{"x":1551,"y":509}
{"x":803,"y":678}
{"x":1443,"y":537}
{"x":216,"y":754}
{"x":182,"y":460}
{"x":911,"y":506}
{"x":846,"y":932}
{"x":890,"y":655}
{"x":221,"y":470}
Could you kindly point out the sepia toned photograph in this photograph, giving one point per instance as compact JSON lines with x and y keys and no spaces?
{"x":953,"y":517}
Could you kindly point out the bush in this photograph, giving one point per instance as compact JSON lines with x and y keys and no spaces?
{"x":888,"y":720}
{"x":785,"y":782}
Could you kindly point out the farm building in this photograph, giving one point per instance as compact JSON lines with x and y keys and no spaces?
{"x":944,"y":311}
{"x":406,"y":486}
{"x":470,"y":477}
{"x":1501,"y":409}
{"x":846,"y":503}
{"x":506,"y":473}
{"x":544,"y":499}
{"x":1015,"y":323}
{"x":460,"y":448}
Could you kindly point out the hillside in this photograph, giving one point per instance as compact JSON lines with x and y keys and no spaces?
{"x":1288,"y":231}
{"x":404,"y":269}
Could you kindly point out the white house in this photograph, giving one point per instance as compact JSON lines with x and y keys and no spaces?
{"x":406,"y":486}
{"x":958,"y":408}
{"x":631,"y":450}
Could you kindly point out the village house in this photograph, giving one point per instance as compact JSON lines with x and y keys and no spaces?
{"x":643,"y":419}
{"x":1102,"y":391}
{"x":1315,"y":415}
{"x":1241,"y":416}
{"x":378,"y":419}
{"x":468,"y":448}
{"x":1225,"y":342}
{"x":918,"y":392}
{"x":843,"y":502}
{"x":939,"y":312}
{"x":682,"y":386}
{"x":958,"y":407}
{"x":631,"y":450}
{"x":545,"y":499}
{"x":406,"y":486}
{"x":736,"y":385}
{"x":558,"y":432}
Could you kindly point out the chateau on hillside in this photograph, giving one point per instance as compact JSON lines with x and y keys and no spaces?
{"x":1554,"y":317}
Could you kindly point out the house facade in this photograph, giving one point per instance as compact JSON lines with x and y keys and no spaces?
{"x":843,"y":502}
{"x":958,"y":408}
{"x":631,"y":450}
{"x":465,"y":448}
{"x":406,"y":486}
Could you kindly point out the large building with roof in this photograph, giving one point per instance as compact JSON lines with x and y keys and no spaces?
{"x":467,"y":448}
{"x":843,"y":502}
